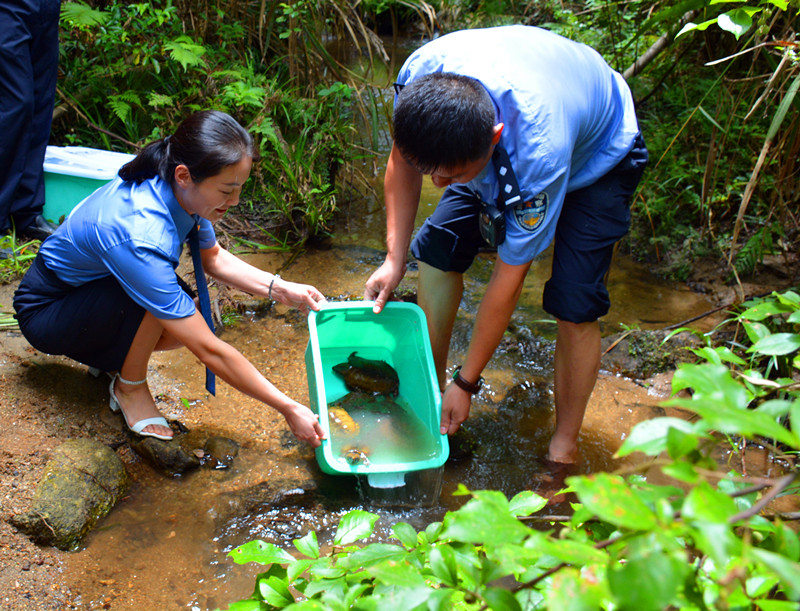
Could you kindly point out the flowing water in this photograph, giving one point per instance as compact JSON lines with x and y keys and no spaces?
{"x":165,"y":545}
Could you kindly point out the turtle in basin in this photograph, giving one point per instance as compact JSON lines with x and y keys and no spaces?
{"x":370,"y":376}
{"x":355,"y":455}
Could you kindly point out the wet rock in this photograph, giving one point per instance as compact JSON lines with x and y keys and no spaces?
{"x":80,"y":485}
{"x":219,"y":452}
{"x":641,"y":354}
{"x":169,"y":457}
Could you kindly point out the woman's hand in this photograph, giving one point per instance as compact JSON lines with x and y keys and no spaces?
{"x":301,"y":296}
{"x":305,"y":425}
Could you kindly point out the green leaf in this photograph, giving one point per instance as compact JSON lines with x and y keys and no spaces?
{"x":80,"y":14}
{"x":777,"y":344}
{"x":185,"y":51}
{"x":406,"y":534}
{"x":308,"y":545}
{"x":716,"y":540}
{"x":247,"y":605}
{"x":571,"y":591}
{"x":755,"y":331}
{"x":261,"y":552}
{"x":397,"y":573}
{"x":649,"y":579}
{"x":572,"y":552}
{"x":737,"y":21}
{"x":525,"y":503}
{"x":484,"y":519}
{"x":501,"y":600}
{"x":650,"y":436}
{"x":681,"y":471}
{"x":372,"y":554}
{"x":275,"y":591}
{"x":786,"y":570}
{"x":610,"y":498}
{"x":763,"y":310}
{"x":355,"y":525}
{"x":443,"y":564}
{"x":704,"y":504}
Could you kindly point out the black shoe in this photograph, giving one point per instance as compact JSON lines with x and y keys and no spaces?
{"x":39,"y":229}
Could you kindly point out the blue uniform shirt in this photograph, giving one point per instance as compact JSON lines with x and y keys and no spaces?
{"x":134,"y":232}
{"x":569,"y":118}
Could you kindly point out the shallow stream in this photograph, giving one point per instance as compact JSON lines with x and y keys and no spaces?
{"x":165,"y":545}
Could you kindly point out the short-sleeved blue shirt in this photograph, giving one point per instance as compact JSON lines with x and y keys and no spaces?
{"x":568,"y":118}
{"x":134,"y":232}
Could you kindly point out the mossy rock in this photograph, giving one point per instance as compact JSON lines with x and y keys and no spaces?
{"x":81,"y":484}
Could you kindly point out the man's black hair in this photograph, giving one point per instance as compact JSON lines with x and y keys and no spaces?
{"x":443,"y":120}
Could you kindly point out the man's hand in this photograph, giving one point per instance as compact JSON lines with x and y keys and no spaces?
{"x":455,"y":408}
{"x":304,"y":297}
{"x":382,"y":282}
{"x":305,"y":425}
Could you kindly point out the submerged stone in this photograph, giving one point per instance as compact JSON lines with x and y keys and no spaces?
{"x":219,"y":452}
{"x":169,"y":457}
{"x":80,"y":485}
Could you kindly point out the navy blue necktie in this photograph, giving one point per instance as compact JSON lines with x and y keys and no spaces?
{"x":202,"y":295}
{"x":509,"y":189}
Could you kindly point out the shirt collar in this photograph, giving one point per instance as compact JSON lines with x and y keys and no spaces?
{"x":183,"y":220}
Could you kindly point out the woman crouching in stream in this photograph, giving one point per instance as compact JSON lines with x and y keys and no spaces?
{"x":103,"y":288}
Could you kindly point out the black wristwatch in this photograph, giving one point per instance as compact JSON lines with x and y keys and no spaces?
{"x":471,"y":388}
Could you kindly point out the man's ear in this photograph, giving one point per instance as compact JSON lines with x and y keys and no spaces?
{"x":183,"y":177}
{"x":497,"y":130}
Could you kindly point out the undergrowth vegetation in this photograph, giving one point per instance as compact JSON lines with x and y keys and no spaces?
{"x":705,"y":538}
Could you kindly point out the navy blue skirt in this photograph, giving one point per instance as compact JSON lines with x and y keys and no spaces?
{"x":94,"y":323}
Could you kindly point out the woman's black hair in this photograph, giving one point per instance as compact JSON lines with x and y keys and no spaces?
{"x":443,"y":120}
{"x":206,"y":142}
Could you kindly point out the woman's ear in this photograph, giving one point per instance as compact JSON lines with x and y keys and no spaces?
{"x":183,"y":177}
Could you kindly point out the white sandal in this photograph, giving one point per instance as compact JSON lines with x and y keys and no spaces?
{"x":138,"y":427}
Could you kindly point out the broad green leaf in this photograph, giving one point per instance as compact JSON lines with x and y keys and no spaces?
{"x":709,"y":381}
{"x":525,"y":503}
{"x":308,"y":545}
{"x":715,"y":540}
{"x":681,"y":471}
{"x":736,"y":420}
{"x":247,"y":605}
{"x":294,"y":570}
{"x":786,"y":570}
{"x":275,"y":591}
{"x":397,"y":573}
{"x":648,"y":580}
{"x":610,"y":498}
{"x":763,"y":310}
{"x":650,"y":436}
{"x":440,"y":600}
{"x":755,"y":331}
{"x":443,"y":564}
{"x":777,"y":344}
{"x":680,"y":443}
{"x":737,"y":21}
{"x":704,"y":504}
{"x":570,"y":591}
{"x":696,"y":26}
{"x":501,"y":600}
{"x":372,"y":554}
{"x":572,"y":552}
{"x":486,"y":518}
{"x":261,"y":552}
{"x":406,"y":534}
{"x":355,"y":525}
{"x":776,"y":605}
